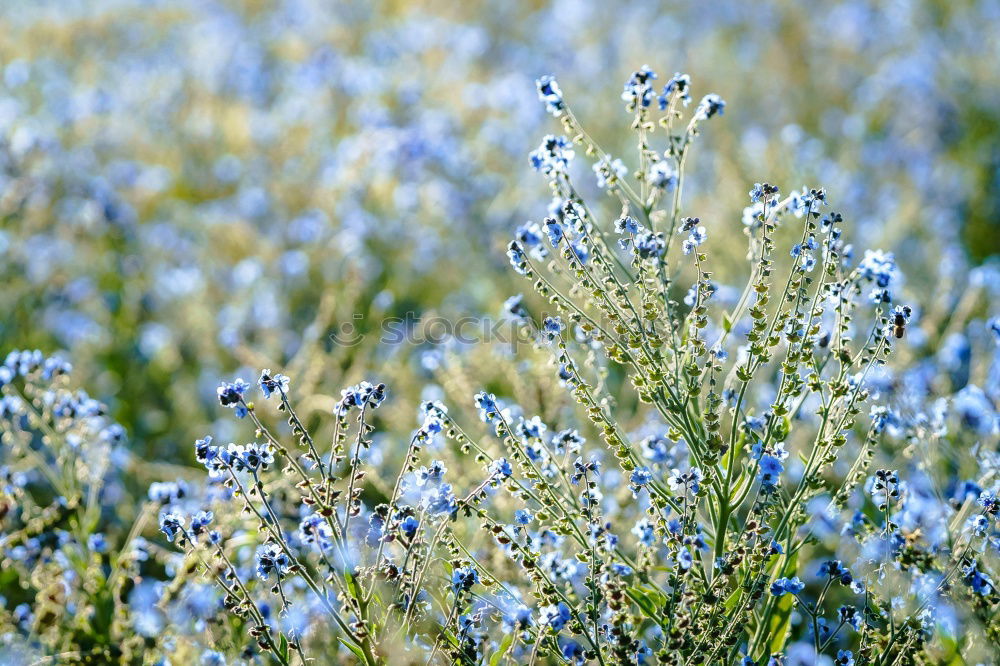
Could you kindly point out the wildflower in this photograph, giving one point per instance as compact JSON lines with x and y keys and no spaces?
{"x":555,"y":616}
{"x":836,"y":569}
{"x":517,"y":258}
{"x":696,"y":238}
{"x":661,"y":175}
{"x":644,"y":532}
{"x":784,"y":586}
{"x":171,"y":523}
{"x":684,"y":559}
{"x":552,"y":328}
{"x":978,"y":524}
{"x":709,"y":106}
{"x":529,"y":235}
{"x":360,"y":396}
{"x":97,"y":543}
{"x":609,"y":171}
{"x":408,"y":526}
{"x":885,"y":486}
{"x":166,"y":492}
{"x":271,"y":558}
{"x":567,"y":441}
{"x":769,"y":471}
{"x":582,"y":469}
{"x":849,"y":615}
{"x":880,"y":268}
{"x":553,"y":155}
{"x":432,"y":474}
{"x":990,"y":502}
{"x":440,"y":500}
{"x":639,"y":88}
{"x":649,"y":244}
{"x":844,"y":658}
{"x":315,"y":531}
{"x":269,"y":384}
{"x":516,"y":617}
{"x":550,"y":94}
{"x":679,"y":85}
{"x":554,"y":230}
{"x":639,"y":478}
{"x":500,"y":468}
{"x":572,"y":651}
{"x":523,"y":517}
{"x":627,"y":224}
{"x":488,"y":407}
{"x":251,"y":457}
{"x":682,"y":481}
{"x":231,"y":395}
{"x":980,"y":582}
{"x":463,"y":578}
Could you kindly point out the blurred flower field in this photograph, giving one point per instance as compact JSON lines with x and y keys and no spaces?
{"x":194,"y":192}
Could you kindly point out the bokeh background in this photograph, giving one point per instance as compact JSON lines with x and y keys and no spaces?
{"x":191,"y":189}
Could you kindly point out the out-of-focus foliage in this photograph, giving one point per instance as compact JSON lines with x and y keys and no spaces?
{"x":183,"y":181}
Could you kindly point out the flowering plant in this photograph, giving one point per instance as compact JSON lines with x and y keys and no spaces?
{"x":722,"y":487}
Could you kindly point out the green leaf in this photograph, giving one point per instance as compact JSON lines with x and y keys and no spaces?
{"x":353,"y":648}
{"x":727,"y":323}
{"x":505,"y":644}
{"x":781,"y":618}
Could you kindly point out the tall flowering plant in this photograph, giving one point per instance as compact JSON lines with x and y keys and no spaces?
{"x":727,"y":475}
{"x":701,"y":537}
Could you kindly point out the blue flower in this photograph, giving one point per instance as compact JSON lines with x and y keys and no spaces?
{"x":231,"y":395}
{"x":844,"y":658}
{"x":639,"y":478}
{"x":271,"y":558}
{"x":488,"y":407}
{"x":463,"y":578}
{"x":784,"y":586}
{"x":171,"y":523}
{"x":553,"y":156}
{"x":166,"y":492}
{"x":572,"y":651}
{"x":709,"y":106}
{"x":500,"y":468}
{"x":645,"y":532}
{"x":679,"y":481}
{"x":360,"y":396}
{"x":549,"y":93}
{"x":523,"y":517}
{"x":555,"y":616}
{"x":770,"y":471}
{"x":836,"y":569}
{"x":517,"y":258}
{"x":408,"y":526}
{"x":552,"y":328}
{"x":649,"y":244}
{"x":251,"y":457}
{"x":275,"y":384}
{"x":440,"y":500}
{"x":627,"y":225}
{"x":980,"y":582}
{"x":314,"y":530}
{"x":98,"y":543}
{"x":200,"y":521}
{"x":679,"y":85}
{"x":696,"y":238}
{"x":639,"y":88}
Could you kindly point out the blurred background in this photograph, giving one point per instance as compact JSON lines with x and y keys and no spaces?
{"x":192,"y":189}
